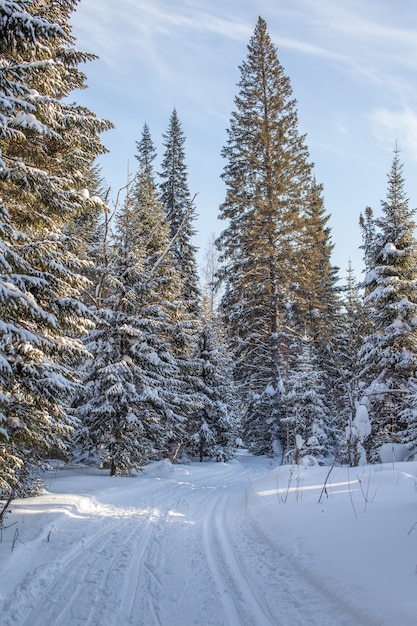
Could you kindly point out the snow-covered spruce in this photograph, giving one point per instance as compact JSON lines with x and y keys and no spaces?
{"x":47,"y":146}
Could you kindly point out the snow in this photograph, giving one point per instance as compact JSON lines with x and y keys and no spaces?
{"x":242,"y":543}
{"x":390,"y":248}
{"x":23,"y":119}
{"x":362,"y":422}
{"x":270,"y":391}
{"x":96,"y":199}
{"x":391,"y":452}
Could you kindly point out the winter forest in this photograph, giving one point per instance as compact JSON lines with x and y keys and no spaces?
{"x":113,"y":352}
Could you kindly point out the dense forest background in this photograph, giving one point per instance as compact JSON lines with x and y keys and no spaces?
{"x":113,"y":351}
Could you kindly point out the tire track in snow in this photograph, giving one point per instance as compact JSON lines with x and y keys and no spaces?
{"x":168,"y":574}
{"x":260,"y":585}
{"x":144,"y":606}
{"x":42,"y":579}
{"x":240,"y":600}
{"x":144,"y":588}
{"x":188,"y":552}
{"x":133,"y":589}
{"x":75,"y":594}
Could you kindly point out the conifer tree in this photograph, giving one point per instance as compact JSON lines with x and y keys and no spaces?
{"x":48,"y":143}
{"x":46,"y":147}
{"x":213,"y":426}
{"x":180,"y":215}
{"x":85,"y":228}
{"x":180,"y":211}
{"x":164,"y":296}
{"x":367,"y":226}
{"x":39,"y":319}
{"x":347,"y":388}
{"x":267,"y":178}
{"x":308,"y":421}
{"x":388,"y":356}
{"x":317,"y":301}
{"x":134,"y":404}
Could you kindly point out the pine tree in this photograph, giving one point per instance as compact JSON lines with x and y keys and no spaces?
{"x":112,"y":429}
{"x":367,"y":226}
{"x":134,"y":404}
{"x":389,"y":352}
{"x":46,"y":147}
{"x":267,"y":180}
{"x":317,"y":299}
{"x":213,"y":427}
{"x":36,"y":310}
{"x":163,"y":313}
{"x":180,"y":211}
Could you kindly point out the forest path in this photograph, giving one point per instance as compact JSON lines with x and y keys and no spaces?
{"x":174,"y":547}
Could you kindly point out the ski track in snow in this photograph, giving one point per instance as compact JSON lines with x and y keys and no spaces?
{"x":184,"y":552}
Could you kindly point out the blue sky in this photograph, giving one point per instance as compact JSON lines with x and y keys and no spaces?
{"x":353,"y":69}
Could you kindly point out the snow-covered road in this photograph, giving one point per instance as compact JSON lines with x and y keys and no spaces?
{"x":177,"y":546}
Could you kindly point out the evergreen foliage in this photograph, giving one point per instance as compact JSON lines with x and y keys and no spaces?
{"x":317,"y":301}
{"x":112,"y":297}
{"x":388,"y":353}
{"x":308,"y":425}
{"x":350,"y":330}
{"x":276,"y":229}
{"x":38,"y":317}
{"x":85,"y":228}
{"x":180,"y":211}
{"x":213,"y":425}
{"x":134,"y":404}
{"x":367,"y":226}
{"x":46,"y":148}
{"x":47,"y":143}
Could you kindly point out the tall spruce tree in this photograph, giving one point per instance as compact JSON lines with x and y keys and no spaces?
{"x":388,"y":356}
{"x":268,"y":178}
{"x":46,"y":148}
{"x":180,"y":211}
{"x":177,"y":335}
{"x":134,"y":402}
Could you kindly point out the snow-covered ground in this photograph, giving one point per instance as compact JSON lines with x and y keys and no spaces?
{"x":241,"y":543}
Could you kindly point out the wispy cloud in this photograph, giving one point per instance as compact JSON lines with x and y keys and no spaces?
{"x":369,"y":22}
{"x":310,"y":49}
{"x":372,"y":37}
{"x":349,"y":33}
{"x":163,"y":16}
{"x":390,"y":127}
{"x":152,"y":19}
